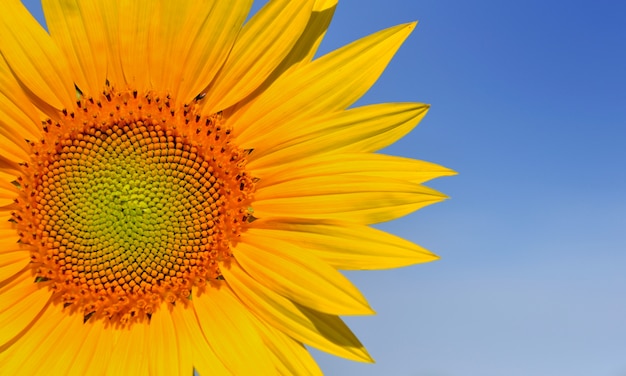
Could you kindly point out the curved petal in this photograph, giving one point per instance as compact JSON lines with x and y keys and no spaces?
{"x":34,"y":58}
{"x":299,"y":276}
{"x":289,"y":355}
{"x":167,"y":356}
{"x":16,"y":111}
{"x":302,"y":52}
{"x":263,"y":43}
{"x":20,"y":304}
{"x":357,"y":199}
{"x":8,"y":239}
{"x":204,"y":359}
{"x":76,"y":27}
{"x":8,"y":193}
{"x":14,"y":257}
{"x":325,"y":332}
{"x":367,"y":164}
{"x":9,"y":166}
{"x":306,"y":47}
{"x":92,"y":350}
{"x":343,"y":245}
{"x":362,"y":129}
{"x":44,"y":349}
{"x":129,"y":27}
{"x":12,"y":262}
{"x":335,"y":81}
{"x":15,"y":139}
{"x":6,"y":224}
{"x":225,"y":322}
{"x":130,"y":350}
{"x":13,"y":150}
{"x":209,"y":44}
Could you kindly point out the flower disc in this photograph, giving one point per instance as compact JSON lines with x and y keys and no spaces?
{"x":125,"y":212}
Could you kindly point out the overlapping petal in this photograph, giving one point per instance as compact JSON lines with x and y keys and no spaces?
{"x":77,"y":27}
{"x":169,"y":351}
{"x":344,"y":245}
{"x":50,"y":335}
{"x":130,"y":353}
{"x":225,"y":322}
{"x":357,"y":199}
{"x":289,"y":355}
{"x":265,"y":40}
{"x":17,"y":113}
{"x":335,"y":81}
{"x":21,"y":302}
{"x":284,"y":268}
{"x":323,"y":331}
{"x":33,"y":58}
{"x":352,"y":164}
{"x":363,"y":129}
{"x":188,"y":330}
{"x":189,"y":42}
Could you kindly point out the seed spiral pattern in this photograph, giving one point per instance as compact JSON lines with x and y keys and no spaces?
{"x":131,"y":204}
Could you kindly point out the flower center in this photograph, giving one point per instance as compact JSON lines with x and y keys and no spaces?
{"x":129,"y":204}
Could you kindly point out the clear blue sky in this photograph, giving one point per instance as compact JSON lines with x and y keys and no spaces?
{"x":529,"y":106}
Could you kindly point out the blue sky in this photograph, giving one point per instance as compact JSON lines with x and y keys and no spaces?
{"x":529,"y":106}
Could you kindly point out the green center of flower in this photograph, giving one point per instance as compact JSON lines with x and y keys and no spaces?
{"x":131,"y":205}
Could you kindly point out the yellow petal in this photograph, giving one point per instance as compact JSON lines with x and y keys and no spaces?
{"x":14,"y":138}
{"x":12,"y":262}
{"x":108,"y":12}
{"x":16,"y":111}
{"x":204,"y":359}
{"x":8,"y":239}
{"x":166,"y":355}
{"x":93,"y":350}
{"x":60,"y":359}
{"x":289,"y":356}
{"x":133,"y":35}
{"x":209,"y":43}
{"x":51,"y":335}
{"x":8,"y":193}
{"x":312,"y":36}
{"x":34,"y":58}
{"x":362,"y":129}
{"x":345,"y":245}
{"x":6,"y":224}
{"x":130,"y":351}
{"x":263,"y":43}
{"x":325,"y":332}
{"x":167,"y":44}
{"x":14,"y":152}
{"x":298,"y":276}
{"x":357,"y":199}
{"x":14,"y":257}
{"x":76,"y":27}
{"x":304,"y":49}
{"x":9,"y":166}
{"x":20,"y":304}
{"x":334,"y":81}
{"x":225,"y":322}
{"x":365,"y":164}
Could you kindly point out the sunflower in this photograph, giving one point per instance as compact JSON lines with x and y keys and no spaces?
{"x":179,"y":187}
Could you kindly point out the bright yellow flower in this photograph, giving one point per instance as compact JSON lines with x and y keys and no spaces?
{"x":178,"y":188}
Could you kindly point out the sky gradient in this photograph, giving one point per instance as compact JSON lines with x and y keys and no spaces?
{"x":528,"y":105}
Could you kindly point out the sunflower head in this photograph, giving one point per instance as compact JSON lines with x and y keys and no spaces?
{"x":179,"y":187}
